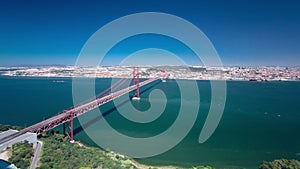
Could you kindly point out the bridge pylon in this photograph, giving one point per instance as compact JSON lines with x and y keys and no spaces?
{"x":164,"y":75}
{"x":71,"y":126}
{"x":136,"y":81}
{"x":70,"y":134}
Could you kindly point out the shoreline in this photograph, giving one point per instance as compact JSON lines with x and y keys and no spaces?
{"x":227,"y":80}
{"x":135,"y":163}
{"x":6,"y":154}
{"x":188,"y":72}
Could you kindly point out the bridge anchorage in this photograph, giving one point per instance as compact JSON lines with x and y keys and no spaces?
{"x":67,"y":116}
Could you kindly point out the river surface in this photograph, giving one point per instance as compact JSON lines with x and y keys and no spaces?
{"x":261,"y":120}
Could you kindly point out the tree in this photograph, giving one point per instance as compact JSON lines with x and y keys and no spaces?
{"x":280,"y":164}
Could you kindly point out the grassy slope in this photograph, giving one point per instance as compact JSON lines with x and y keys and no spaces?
{"x":58,"y":152}
{"x":21,"y":155}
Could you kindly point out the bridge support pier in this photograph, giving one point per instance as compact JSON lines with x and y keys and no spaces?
{"x":136,"y":81}
{"x":64,"y":129}
{"x":71,"y":135}
{"x":163,"y":75}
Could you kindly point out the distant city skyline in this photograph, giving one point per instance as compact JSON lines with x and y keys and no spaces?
{"x":245,"y":33}
{"x":173,"y":72}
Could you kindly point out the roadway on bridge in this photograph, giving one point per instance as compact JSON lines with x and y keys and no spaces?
{"x":76,"y":111}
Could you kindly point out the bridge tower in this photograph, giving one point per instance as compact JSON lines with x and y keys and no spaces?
{"x":70,"y":134}
{"x":71,"y":127}
{"x":163,"y":74}
{"x":136,"y":81}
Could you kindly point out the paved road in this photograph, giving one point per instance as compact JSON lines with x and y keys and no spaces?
{"x":37,"y":154}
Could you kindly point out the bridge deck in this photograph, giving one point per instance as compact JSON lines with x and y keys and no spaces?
{"x":66,"y":116}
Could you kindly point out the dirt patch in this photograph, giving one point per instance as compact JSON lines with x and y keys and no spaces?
{"x":5,"y":155}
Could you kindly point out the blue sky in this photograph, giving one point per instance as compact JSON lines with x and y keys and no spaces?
{"x":244,"y":32}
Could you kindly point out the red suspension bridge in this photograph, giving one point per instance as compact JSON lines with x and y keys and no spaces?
{"x":67,"y":116}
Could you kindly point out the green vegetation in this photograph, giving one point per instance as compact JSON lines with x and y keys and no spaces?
{"x":58,"y":152}
{"x":21,"y":155}
{"x":202,"y":167}
{"x":281,"y":164}
{"x":7,"y":127}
